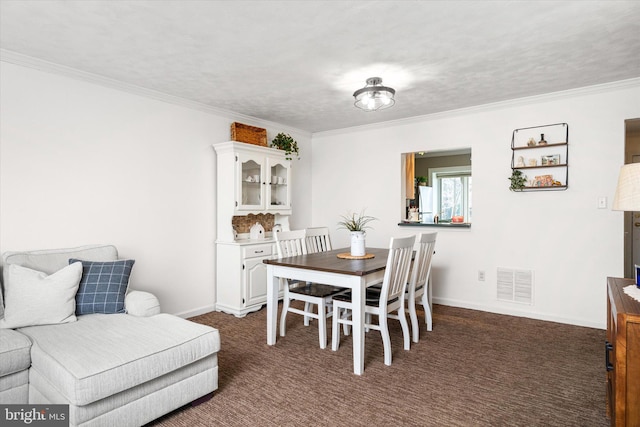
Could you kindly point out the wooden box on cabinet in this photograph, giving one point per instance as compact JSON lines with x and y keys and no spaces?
{"x":249,"y":134}
{"x":622,"y":354}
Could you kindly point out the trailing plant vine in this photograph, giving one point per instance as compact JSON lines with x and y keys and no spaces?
{"x":284,"y":141}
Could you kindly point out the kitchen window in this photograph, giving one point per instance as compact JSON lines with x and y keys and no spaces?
{"x":452,"y":193}
{"x":438,"y":184}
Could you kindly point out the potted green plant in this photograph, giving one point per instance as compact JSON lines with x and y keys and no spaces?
{"x":356,"y":223}
{"x":284,"y":141}
{"x":421,"y":180}
{"x":518,"y":179}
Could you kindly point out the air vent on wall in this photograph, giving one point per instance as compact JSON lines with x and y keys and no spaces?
{"x":515,"y":285}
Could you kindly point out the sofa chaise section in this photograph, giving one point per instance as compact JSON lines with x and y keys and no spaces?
{"x":92,"y":372}
{"x":123,"y":369}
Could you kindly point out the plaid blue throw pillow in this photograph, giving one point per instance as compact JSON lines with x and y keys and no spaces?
{"x":103,"y":286}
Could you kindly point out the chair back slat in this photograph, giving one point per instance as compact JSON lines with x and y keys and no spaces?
{"x":291,"y":243}
{"x":422,"y":262}
{"x":397,"y":269}
{"x":318,"y":240}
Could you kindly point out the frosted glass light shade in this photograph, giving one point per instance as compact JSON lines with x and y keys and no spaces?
{"x":627,"y":197}
{"x":374,"y":96}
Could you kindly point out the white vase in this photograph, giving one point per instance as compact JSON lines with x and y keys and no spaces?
{"x":357,"y":243}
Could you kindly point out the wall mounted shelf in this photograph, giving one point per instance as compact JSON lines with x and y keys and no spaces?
{"x":543,"y":149}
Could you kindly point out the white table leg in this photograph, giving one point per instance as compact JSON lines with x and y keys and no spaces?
{"x":272,"y":305}
{"x":430,"y":288}
{"x":429,"y":295}
{"x":358,"y":301}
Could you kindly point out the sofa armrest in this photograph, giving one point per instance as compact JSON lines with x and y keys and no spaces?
{"x":141,"y":304}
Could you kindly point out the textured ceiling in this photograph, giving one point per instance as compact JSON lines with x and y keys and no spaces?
{"x":298,"y":62}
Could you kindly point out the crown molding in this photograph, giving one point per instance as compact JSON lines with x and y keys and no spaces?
{"x":551,"y":96}
{"x":51,"y":67}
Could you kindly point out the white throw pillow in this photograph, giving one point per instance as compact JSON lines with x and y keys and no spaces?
{"x":33,"y":298}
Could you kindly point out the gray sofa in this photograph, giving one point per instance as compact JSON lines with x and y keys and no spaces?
{"x":123,"y":369}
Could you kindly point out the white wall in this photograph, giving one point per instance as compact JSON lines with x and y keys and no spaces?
{"x":81,"y":163}
{"x":570,"y":244}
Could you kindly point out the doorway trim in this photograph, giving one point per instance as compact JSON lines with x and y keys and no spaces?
{"x":631,"y":155}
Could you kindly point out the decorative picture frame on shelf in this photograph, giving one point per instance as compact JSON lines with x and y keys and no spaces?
{"x":550,"y":160}
{"x":543,"y":181}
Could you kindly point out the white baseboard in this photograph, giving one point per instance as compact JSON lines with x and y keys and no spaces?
{"x":519,"y":313}
{"x":460,"y":304}
{"x":196,"y":312}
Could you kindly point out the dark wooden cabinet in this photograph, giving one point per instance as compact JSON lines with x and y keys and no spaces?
{"x":622,"y":354}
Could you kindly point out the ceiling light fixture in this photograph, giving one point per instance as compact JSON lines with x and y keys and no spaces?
{"x":374,"y":96}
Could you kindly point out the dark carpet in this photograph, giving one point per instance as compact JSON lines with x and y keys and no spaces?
{"x":474,"y":369}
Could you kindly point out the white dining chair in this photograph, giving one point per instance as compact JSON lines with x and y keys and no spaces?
{"x":293,"y":243}
{"x":419,"y":278}
{"x":388,"y":303}
{"x":318,"y":240}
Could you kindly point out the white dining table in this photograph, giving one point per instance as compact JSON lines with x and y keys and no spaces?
{"x":327,"y":268}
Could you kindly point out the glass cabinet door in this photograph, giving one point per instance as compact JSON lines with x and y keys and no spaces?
{"x":250,"y":179}
{"x":279,"y":184}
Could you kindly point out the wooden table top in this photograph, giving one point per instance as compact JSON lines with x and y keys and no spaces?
{"x":623,"y":302}
{"x":329,"y":262}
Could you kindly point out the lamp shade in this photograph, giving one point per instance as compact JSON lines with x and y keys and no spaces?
{"x":627,"y":197}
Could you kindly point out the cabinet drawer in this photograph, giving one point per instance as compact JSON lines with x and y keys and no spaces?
{"x":257,"y":251}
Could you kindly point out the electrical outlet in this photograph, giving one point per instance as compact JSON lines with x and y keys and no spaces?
{"x":481,"y":275}
{"x":602,"y":203}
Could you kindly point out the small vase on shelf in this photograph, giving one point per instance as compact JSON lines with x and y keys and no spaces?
{"x":542,"y":140}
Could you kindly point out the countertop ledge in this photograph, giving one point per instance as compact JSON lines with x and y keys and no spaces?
{"x":440,"y":224}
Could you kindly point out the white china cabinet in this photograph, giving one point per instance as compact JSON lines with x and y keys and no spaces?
{"x":250,"y":180}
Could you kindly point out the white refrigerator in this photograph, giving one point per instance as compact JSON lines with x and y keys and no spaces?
{"x":426,"y":204}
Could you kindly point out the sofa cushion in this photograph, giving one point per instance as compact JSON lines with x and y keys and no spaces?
{"x":14,"y":388}
{"x":35,"y":298}
{"x":180,"y":387}
{"x":14,"y":352}
{"x":52,"y":260}
{"x":103,"y":286}
{"x":124,"y":351}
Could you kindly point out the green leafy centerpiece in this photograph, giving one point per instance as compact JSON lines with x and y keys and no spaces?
{"x":357,"y":224}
